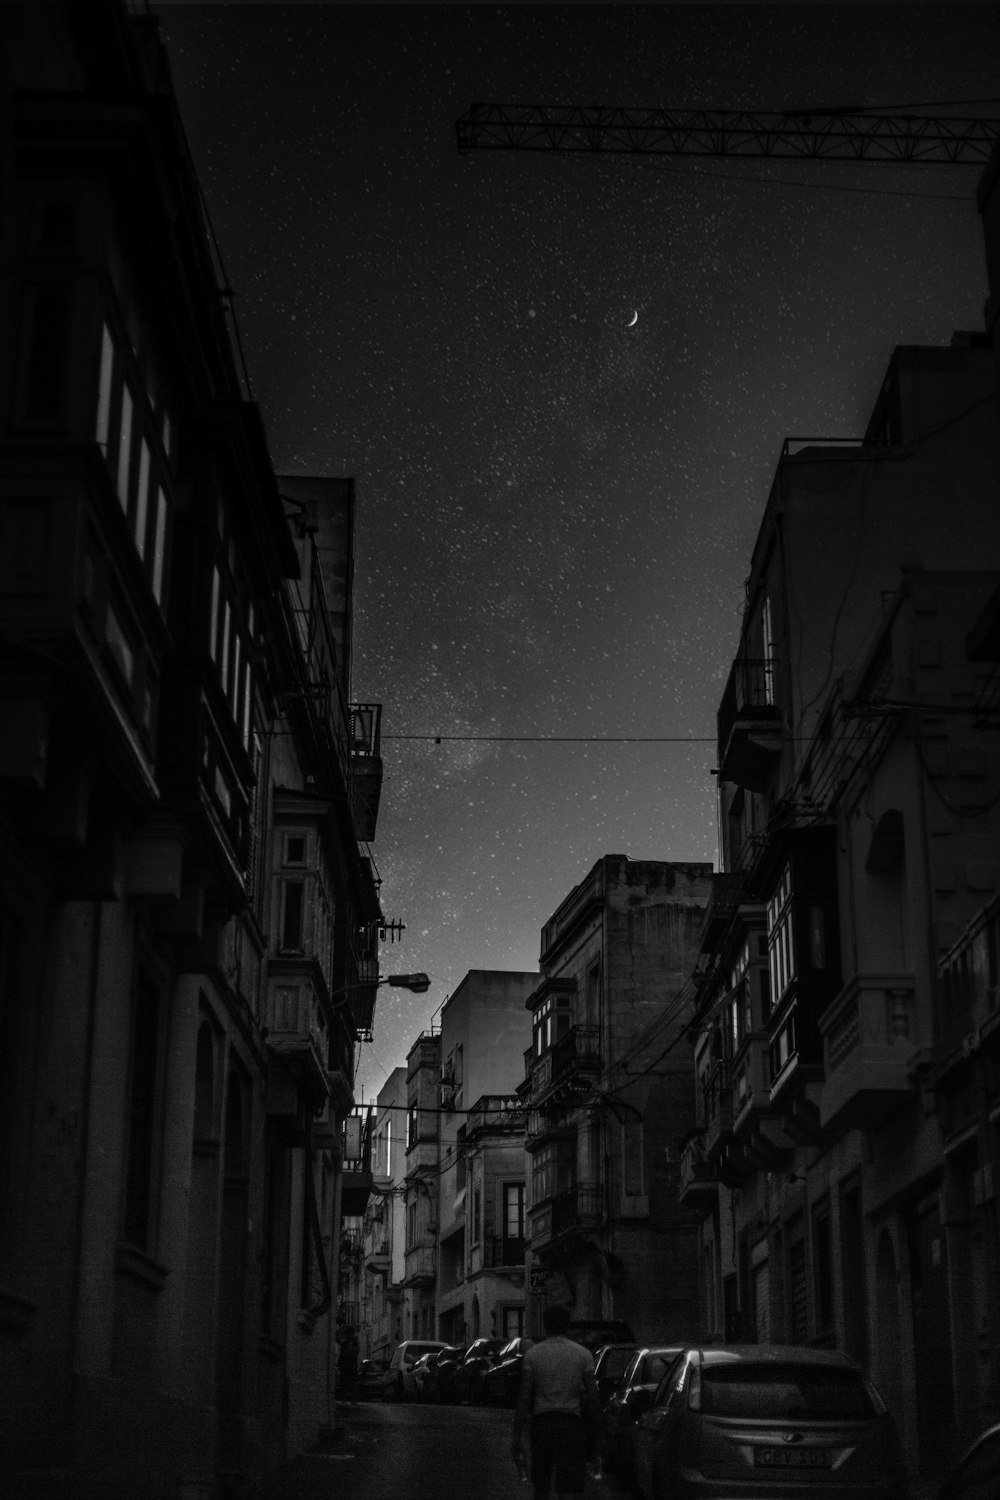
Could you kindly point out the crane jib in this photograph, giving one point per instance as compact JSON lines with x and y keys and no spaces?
{"x":827,"y":135}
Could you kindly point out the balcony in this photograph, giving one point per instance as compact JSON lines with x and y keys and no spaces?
{"x":749,"y":724}
{"x":578,"y":1208}
{"x":699,"y":1186}
{"x":541,"y":1077}
{"x":85,"y":637}
{"x":502,"y":1113}
{"x":727,"y":894}
{"x":718,"y":1110}
{"x":577,"y":1053}
{"x":366,"y":766}
{"x":501,"y":1251}
{"x":869,"y":1046}
{"x":377,"y":1257}
{"x":750,"y":1083}
{"x":420,"y":1267}
{"x":795,"y":1050}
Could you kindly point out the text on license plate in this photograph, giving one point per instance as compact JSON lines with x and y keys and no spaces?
{"x":792,"y":1458}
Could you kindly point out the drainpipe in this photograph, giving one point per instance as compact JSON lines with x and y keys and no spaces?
{"x":332,"y":1430}
{"x":76,"y":1334}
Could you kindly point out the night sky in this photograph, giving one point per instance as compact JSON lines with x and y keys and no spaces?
{"x":556,"y":510}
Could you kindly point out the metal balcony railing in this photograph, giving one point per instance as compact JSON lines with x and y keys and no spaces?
{"x":580,"y":1048}
{"x":578,"y":1208}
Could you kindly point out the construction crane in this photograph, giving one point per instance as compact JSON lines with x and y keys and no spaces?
{"x":815,"y":135}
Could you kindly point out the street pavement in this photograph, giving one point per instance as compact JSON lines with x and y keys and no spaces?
{"x":411,"y":1452}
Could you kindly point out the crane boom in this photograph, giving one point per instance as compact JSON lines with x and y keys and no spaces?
{"x":825,"y":135}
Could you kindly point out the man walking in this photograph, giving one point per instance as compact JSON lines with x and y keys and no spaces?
{"x":559,"y":1395}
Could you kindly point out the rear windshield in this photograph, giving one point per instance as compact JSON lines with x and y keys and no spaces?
{"x":784,"y":1392}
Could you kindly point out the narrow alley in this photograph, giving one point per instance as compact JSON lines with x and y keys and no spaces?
{"x":404,"y":1452}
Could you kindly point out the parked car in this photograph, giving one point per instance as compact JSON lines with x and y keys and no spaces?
{"x":610,"y":1363}
{"x":592,"y":1333}
{"x":502,"y":1381}
{"x":374,"y":1379}
{"x":976,"y":1476}
{"x":445,"y":1372}
{"x":480,"y":1356}
{"x":430,"y":1371}
{"x":762,"y":1421}
{"x":632,"y":1395}
{"x":422,"y":1374}
{"x":404,"y":1357}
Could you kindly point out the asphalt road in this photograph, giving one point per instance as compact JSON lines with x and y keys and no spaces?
{"x":412,"y":1452}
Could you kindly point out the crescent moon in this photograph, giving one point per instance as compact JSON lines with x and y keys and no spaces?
{"x":635,"y":319}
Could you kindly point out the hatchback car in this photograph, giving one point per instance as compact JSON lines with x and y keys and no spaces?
{"x":976,"y":1476}
{"x":632,"y":1395}
{"x":374,"y":1379}
{"x":763,"y":1420}
{"x":480,"y":1356}
{"x":610,"y":1363}
{"x":502,"y":1381}
{"x":404,"y":1357}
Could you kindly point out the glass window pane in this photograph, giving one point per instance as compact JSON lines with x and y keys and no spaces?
{"x":159,"y":545}
{"x":125,"y":448}
{"x":141,"y":502}
{"x":102,"y":429}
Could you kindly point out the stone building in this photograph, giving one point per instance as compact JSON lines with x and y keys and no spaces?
{"x":841,"y":1153}
{"x":481,"y":1182}
{"x":608,"y":1086}
{"x":188,"y":913}
{"x":464,"y":1163}
{"x":383,"y":1232}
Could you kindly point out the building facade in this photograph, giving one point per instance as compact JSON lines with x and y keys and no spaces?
{"x":383,"y":1230}
{"x":189,"y":920}
{"x":840,"y":1155}
{"x":608,"y":1085}
{"x":481,"y":1182}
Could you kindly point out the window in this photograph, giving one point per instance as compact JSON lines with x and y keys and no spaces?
{"x":230,"y":631}
{"x":133,"y":431}
{"x":780,"y":936}
{"x":295,"y":849}
{"x":594,"y":994}
{"x":140,"y":1157}
{"x":767,"y":643}
{"x":411,"y":1127}
{"x":513,"y":1210}
{"x":512,"y":1322}
{"x":477,"y":1214}
{"x":292,"y":914}
{"x":553,"y":1170}
{"x":549,"y":1022}
{"x":411,"y":1226}
{"x":633,"y":1157}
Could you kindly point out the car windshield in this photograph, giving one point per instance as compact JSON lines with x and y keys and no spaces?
{"x":783,"y":1392}
{"x":615,"y":1363}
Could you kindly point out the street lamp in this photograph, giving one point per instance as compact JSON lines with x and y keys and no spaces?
{"x":418,"y":983}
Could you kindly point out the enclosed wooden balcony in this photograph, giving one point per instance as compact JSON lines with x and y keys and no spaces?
{"x":699,"y":1185}
{"x":749,"y":724}
{"x":420,"y":1266}
{"x":870,"y":1044}
{"x":366,"y":766}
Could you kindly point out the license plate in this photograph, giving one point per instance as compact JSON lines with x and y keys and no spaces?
{"x":792,"y":1458}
